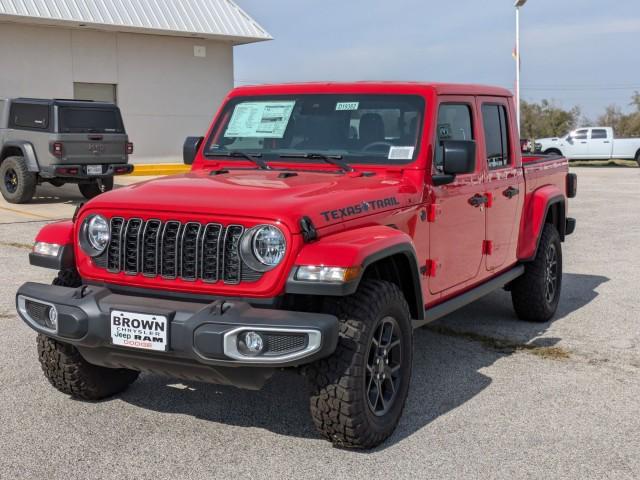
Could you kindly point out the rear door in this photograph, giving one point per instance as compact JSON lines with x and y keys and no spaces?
{"x":458,"y":230}
{"x":505,"y":184}
{"x":600,"y":145}
{"x":91,"y":135}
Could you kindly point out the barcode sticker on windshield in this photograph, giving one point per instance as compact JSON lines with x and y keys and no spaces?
{"x":347,"y":106}
{"x":401,"y":153}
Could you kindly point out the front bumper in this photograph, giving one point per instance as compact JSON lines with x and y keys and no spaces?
{"x":201,"y":336}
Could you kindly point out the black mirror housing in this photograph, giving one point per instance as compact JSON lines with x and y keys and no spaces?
{"x":459,"y":156}
{"x":190,"y":149}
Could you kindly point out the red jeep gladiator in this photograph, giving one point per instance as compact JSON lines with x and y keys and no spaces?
{"x":318,"y":226}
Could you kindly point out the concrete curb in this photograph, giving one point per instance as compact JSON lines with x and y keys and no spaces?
{"x":149,"y":169}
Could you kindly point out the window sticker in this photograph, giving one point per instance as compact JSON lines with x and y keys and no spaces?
{"x":347,"y":106}
{"x":401,"y":153}
{"x":260,"y":119}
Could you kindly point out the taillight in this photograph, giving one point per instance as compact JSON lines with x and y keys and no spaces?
{"x":57,"y":149}
{"x":129,"y":148}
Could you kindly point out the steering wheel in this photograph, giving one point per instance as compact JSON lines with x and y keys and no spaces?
{"x":373,"y":145}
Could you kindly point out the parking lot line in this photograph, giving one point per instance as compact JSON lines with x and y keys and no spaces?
{"x":26,"y":214}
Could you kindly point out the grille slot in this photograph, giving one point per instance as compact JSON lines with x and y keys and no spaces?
{"x":150,"y":248}
{"x":131,"y":245}
{"x":114,"y":248}
{"x":189,"y":251}
{"x":211,"y":252}
{"x":231,"y":263}
{"x":169,"y":253}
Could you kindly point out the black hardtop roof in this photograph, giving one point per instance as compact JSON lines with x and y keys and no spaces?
{"x":65,"y":102}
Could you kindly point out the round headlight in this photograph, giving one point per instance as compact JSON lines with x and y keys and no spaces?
{"x":263,"y":247}
{"x":95,"y":235}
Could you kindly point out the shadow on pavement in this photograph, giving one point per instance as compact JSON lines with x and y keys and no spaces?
{"x":446,"y":372}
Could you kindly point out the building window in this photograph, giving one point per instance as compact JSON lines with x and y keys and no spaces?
{"x":99,"y":92}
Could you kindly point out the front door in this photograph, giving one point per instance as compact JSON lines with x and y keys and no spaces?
{"x":576,"y":145}
{"x":505,"y":183}
{"x":458,"y":228}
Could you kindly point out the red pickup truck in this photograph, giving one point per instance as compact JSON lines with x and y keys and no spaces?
{"x":319,"y":225}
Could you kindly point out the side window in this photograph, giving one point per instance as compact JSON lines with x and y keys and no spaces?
{"x":496,"y":135}
{"x":598,"y":133}
{"x":454,"y":123}
{"x":29,"y":115}
{"x":580,"y":134}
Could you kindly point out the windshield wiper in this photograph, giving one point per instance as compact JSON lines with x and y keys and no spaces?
{"x":252,"y":157}
{"x":335,"y":160}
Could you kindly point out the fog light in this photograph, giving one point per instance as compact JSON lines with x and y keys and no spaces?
{"x":250,"y":343}
{"x":53,"y":318}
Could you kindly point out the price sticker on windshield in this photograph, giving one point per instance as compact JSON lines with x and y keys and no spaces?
{"x":347,"y":106}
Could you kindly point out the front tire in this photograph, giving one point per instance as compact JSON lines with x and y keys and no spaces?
{"x":358,"y":394}
{"x":17,"y":183}
{"x":68,"y":372}
{"x":96,"y":187}
{"x":535,"y":295}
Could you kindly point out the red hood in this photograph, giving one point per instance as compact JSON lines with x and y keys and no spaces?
{"x":327,"y":198}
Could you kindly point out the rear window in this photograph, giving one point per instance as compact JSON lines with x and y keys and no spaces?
{"x":29,"y":115}
{"x":90,"y":120}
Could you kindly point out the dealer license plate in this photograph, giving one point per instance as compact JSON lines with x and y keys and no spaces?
{"x":139,"y":330}
{"x":94,"y":169}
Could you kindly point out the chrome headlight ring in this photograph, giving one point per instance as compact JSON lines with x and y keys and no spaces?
{"x":263,"y":247}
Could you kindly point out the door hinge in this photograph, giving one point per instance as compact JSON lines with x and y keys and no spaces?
{"x":430,"y":268}
{"x":489,"y":200}
{"x":432,"y":212}
{"x":487,"y":247}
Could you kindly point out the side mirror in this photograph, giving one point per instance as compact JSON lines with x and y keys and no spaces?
{"x":458,"y":157}
{"x":190,"y":149}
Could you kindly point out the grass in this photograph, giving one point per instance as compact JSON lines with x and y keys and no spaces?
{"x":604,"y":163}
{"x":503,"y":346}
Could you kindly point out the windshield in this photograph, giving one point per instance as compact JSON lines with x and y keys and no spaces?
{"x":355,"y":128}
{"x":90,"y":120}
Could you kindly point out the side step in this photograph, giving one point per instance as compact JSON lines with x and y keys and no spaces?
{"x":466,"y":298}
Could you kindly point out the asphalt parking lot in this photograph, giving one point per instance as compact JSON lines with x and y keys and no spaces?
{"x":491,"y":397}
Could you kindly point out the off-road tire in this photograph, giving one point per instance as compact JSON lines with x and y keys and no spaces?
{"x":338,"y":401}
{"x":68,"y":372}
{"x":17,"y":183}
{"x":95,"y":188}
{"x":65,"y":368}
{"x":529,"y":293}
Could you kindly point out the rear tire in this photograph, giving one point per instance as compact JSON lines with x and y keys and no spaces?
{"x":358,"y":393}
{"x":96,"y":187}
{"x":17,"y":183}
{"x":638,"y":158}
{"x":535,"y":295}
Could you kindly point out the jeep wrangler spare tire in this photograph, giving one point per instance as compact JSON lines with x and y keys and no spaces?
{"x":95,"y":188}
{"x":358,"y":393}
{"x":17,"y":183}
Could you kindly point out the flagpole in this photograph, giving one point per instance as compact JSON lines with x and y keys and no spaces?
{"x":518,"y":67}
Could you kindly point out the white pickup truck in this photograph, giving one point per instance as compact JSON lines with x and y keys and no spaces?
{"x":597,"y":143}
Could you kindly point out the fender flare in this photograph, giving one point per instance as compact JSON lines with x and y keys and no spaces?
{"x":28,"y":153}
{"x":535,"y":214}
{"x":60,"y":233}
{"x":361,"y":247}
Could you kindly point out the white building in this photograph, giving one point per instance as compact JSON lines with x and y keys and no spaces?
{"x":166,"y":63}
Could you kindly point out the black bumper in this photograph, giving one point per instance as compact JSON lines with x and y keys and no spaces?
{"x":199,"y":334}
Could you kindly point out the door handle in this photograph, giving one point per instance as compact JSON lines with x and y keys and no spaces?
{"x":583,"y":142}
{"x":606,"y":141}
{"x":511,"y":192}
{"x":478,"y":200}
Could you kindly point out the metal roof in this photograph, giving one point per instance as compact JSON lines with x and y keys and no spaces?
{"x":217,"y":19}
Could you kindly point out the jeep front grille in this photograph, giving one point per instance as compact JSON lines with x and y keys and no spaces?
{"x":190,"y":251}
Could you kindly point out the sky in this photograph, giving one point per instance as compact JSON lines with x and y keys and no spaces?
{"x":574,"y":52}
